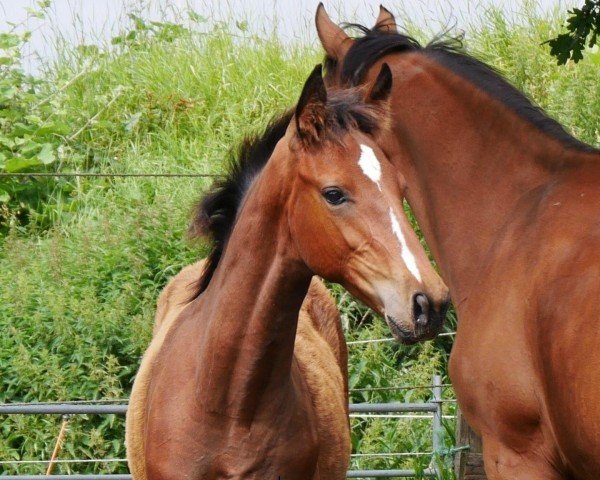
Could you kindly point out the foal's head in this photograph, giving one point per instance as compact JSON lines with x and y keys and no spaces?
{"x":346,"y":208}
{"x":339,"y":202}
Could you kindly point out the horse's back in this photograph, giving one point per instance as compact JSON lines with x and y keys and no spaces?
{"x":321,"y":311}
{"x":178,"y":292}
{"x":322,"y":356}
{"x":172,"y":300}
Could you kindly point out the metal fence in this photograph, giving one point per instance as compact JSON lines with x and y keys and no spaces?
{"x":434,"y":407}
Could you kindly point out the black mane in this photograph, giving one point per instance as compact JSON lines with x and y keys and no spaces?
{"x":448,"y":51}
{"x":216,"y":212}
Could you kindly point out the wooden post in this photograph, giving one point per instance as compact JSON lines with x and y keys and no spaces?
{"x":59,"y":443}
{"x":468,"y":464}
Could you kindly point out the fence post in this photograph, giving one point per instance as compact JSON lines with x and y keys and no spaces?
{"x":438,"y":429}
{"x":468,"y":463}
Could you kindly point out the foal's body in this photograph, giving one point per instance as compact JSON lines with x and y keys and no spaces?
{"x":320,"y":366}
{"x":510,"y":206}
{"x":225,"y":391}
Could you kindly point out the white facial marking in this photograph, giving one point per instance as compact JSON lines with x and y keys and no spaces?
{"x":407,"y":256}
{"x":370,"y":165}
{"x":372,"y":169}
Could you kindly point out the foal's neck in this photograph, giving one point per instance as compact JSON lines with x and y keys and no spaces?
{"x":252,"y":305}
{"x":476,"y":162}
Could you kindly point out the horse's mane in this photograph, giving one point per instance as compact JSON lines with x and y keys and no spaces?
{"x":215,"y":214}
{"x":448,"y":51}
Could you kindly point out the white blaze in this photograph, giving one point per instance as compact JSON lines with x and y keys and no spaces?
{"x":370,"y":165}
{"x":372,"y":169}
{"x":407,"y":256}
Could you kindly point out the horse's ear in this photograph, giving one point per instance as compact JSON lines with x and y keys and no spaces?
{"x":335,"y":41}
{"x":381,"y":89}
{"x":385,"y":21}
{"x":311,"y":108}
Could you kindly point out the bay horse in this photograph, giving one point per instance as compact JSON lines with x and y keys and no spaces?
{"x":225,"y":390}
{"x":509,"y":204}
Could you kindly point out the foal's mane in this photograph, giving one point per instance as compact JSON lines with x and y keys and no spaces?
{"x":216,"y":212}
{"x":448,"y":51}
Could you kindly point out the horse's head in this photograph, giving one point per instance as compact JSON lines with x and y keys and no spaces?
{"x":345,"y":209}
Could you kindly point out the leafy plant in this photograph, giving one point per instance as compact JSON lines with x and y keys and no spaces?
{"x":583,"y":23}
{"x":30,"y":138}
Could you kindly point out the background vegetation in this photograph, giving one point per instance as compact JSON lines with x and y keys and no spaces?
{"x":83,"y":260}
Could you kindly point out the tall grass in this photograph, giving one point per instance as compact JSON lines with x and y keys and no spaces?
{"x":77,"y":298}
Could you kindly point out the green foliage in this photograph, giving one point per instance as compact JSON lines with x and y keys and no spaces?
{"x":516,"y":50}
{"x":583,"y":23}
{"x":77,"y":303}
{"x":29,"y":135}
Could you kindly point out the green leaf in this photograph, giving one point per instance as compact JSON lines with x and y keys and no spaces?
{"x":8,"y":93}
{"x":196,"y":17}
{"x":53,"y":128}
{"x":16,"y":164}
{"x":46,"y":155}
{"x":29,"y":149}
{"x":582,"y":23}
{"x":4,"y":196}
{"x":7,"y":142}
{"x":132,"y":121}
{"x":9,"y":40}
{"x":34,"y":13}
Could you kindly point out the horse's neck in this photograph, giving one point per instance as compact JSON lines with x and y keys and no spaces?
{"x":475,"y":161}
{"x":251,"y":306}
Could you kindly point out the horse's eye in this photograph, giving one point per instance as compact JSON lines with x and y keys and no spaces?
{"x":334,"y":196}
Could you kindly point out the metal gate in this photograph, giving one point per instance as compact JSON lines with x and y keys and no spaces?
{"x":434,"y":407}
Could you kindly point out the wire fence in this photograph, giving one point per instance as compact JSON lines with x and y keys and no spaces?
{"x":390,"y":339}
{"x":105,"y":175}
{"x":431,"y":411}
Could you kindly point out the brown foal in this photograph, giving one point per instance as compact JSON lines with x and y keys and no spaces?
{"x":221,"y":392}
{"x":509,"y":203}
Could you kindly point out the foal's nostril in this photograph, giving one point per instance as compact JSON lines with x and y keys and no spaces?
{"x":421,"y":307}
{"x":444,"y":306}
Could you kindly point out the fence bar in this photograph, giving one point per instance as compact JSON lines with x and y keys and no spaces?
{"x":392,"y":407}
{"x":106,"y":175}
{"x":428,"y":472}
{"x":350,"y":474}
{"x":68,"y":477}
{"x":121,"y":409}
{"x":61,"y":409}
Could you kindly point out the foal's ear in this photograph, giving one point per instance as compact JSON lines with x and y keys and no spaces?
{"x":381,"y":89}
{"x":335,"y":41}
{"x":311,"y":108}
{"x":385,"y":21}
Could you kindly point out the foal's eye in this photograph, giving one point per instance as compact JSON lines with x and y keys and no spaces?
{"x":334,"y":196}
